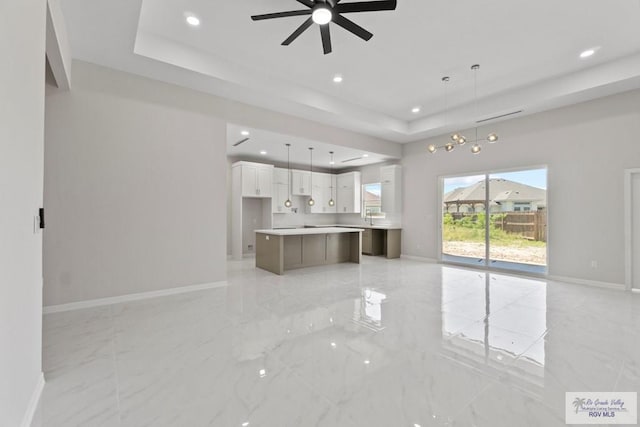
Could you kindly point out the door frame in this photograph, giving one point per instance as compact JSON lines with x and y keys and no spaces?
{"x":628,"y":227}
{"x":487,"y":173}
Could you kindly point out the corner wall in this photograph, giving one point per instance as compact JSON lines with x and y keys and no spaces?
{"x":586,"y":148}
{"x":22,"y":74}
{"x":135,"y":188}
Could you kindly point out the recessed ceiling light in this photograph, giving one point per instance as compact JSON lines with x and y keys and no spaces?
{"x":331,"y":163}
{"x":366,"y":362}
{"x":193,"y":21}
{"x":337,"y":78}
{"x":245,"y":424}
{"x":587,"y":53}
{"x":365,"y":155}
{"x":415,"y":110}
{"x":264,"y":153}
{"x":245,"y":133}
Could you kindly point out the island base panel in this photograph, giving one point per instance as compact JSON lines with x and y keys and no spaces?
{"x":269,"y":253}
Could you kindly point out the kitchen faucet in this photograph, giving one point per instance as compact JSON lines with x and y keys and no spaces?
{"x":369,"y":213}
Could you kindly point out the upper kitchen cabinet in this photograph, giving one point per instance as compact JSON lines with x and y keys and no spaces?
{"x":256,"y":179}
{"x":349,"y":190}
{"x":301,"y":183}
{"x":391,"y":180}
{"x":322,"y":193}
{"x":280,"y":190}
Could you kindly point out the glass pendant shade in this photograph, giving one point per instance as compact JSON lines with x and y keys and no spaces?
{"x":432,"y":148}
{"x":449,"y":147}
{"x":332,"y":202}
{"x":476,"y":149}
{"x":311,"y":202}
{"x":287,"y":203}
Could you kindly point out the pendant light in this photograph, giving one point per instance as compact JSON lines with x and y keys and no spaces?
{"x":287,"y":203}
{"x":458,"y":139}
{"x":311,"y":202}
{"x":331,"y":201}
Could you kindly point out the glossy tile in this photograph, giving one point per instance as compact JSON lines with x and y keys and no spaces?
{"x":384,"y":343}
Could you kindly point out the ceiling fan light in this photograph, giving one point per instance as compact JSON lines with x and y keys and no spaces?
{"x":432,"y":148}
{"x":476,"y":149}
{"x":322,"y":15}
{"x":449,"y":147}
{"x":492,"y":138}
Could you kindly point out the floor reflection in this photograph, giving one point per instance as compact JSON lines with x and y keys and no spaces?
{"x":486,"y":322}
{"x":368,"y":309}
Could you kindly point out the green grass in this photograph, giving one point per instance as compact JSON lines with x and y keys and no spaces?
{"x":459,"y":233}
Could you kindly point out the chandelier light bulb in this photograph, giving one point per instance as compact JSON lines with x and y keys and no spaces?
{"x":476,"y":149}
{"x":449,"y":147}
{"x":455,"y":137}
{"x":492,"y":138}
{"x":322,"y":15}
{"x":432,"y":148}
{"x":462,"y":140}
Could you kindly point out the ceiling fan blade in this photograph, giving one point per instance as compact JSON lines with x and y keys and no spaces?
{"x":308,"y":3}
{"x":281,"y":14}
{"x":326,"y":38}
{"x":367,"y":6}
{"x":301,"y":29}
{"x":352,"y":27}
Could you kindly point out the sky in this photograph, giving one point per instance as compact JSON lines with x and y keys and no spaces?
{"x":534,"y":178}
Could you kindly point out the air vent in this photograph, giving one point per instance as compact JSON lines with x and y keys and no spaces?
{"x":351,"y":160}
{"x":499,"y":117}
{"x":240,"y":142}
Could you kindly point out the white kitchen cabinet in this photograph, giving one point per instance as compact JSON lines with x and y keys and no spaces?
{"x":330,"y":192}
{"x":256,"y":179}
{"x":349,"y":191}
{"x":280,"y":191}
{"x":391,"y":180}
{"x":300,"y":183}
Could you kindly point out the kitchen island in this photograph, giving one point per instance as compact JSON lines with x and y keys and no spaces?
{"x":289,"y":249}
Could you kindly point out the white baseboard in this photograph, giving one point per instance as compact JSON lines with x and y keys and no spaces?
{"x":419,"y":258}
{"x":27,"y":419}
{"x":130,"y":297}
{"x":598,"y":284}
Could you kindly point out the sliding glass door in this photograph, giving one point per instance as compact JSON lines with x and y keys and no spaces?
{"x":464,"y":231}
{"x":497,"y":219}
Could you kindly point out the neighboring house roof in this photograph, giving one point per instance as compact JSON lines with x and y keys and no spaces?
{"x":371,"y":197}
{"x":500,"y":190}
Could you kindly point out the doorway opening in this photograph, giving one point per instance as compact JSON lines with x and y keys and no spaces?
{"x":496,"y":219}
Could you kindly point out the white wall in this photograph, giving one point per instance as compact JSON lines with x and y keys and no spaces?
{"x":135,"y":188}
{"x":586,"y":147}
{"x":22,"y":43}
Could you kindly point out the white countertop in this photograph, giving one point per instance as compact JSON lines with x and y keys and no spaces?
{"x":315,"y":230}
{"x":374,"y":226}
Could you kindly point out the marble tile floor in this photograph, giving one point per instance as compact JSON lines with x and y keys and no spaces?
{"x":388,"y":343}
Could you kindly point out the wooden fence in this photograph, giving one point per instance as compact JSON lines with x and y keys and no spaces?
{"x":530,"y":225}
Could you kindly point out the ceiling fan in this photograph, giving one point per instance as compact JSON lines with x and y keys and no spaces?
{"x":324,"y":12}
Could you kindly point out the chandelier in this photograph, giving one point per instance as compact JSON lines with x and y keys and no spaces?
{"x":458,"y":139}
